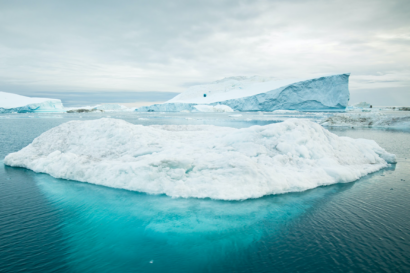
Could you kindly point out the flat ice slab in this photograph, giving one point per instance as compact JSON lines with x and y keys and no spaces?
{"x":263,"y":94}
{"x":10,"y":103}
{"x":201,"y":161}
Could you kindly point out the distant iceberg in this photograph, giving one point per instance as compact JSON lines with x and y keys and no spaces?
{"x":263,"y":94}
{"x":360,"y":106}
{"x":372,"y":119}
{"x":13,"y":103}
{"x":106,"y":107}
{"x":201,"y":161}
{"x":112,"y":107}
{"x":363,"y":105}
{"x":213,"y":108}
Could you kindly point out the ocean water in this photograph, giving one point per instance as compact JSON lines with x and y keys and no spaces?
{"x":54,"y":225}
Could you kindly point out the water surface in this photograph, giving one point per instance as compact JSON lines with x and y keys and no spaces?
{"x":54,"y":225}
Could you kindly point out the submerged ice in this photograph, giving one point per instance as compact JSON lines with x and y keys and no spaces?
{"x":192,"y":233}
{"x":201,"y":161}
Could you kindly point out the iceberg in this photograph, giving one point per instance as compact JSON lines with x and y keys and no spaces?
{"x":285,"y":112}
{"x":201,"y":161}
{"x":263,"y":94}
{"x":13,"y":103}
{"x":372,"y":119}
{"x":106,"y":107}
{"x":364,"y":106}
{"x":112,"y":107}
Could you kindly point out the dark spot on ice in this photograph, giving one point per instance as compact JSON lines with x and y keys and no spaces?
{"x":189,"y":170}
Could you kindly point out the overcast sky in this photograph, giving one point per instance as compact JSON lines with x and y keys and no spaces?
{"x":62,"y":47}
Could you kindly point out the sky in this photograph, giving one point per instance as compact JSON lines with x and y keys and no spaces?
{"x":127,"y":51}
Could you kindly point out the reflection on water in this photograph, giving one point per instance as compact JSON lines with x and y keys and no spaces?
{"x":30,"y":237}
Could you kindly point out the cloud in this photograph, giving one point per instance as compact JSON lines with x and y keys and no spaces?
{"x":382,"y":80}
{"x":166,"y":45}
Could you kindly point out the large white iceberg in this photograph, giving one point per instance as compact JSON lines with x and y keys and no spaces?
{"x":13,"y":103}
{"x":263,"y":94}
{"x":201,"y":161}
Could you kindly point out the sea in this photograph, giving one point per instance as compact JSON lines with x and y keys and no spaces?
{"x":56,"y":225}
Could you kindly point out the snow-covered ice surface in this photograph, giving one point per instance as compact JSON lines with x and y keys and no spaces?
{"x":201,"y":161}
{"x":263,"y":94}
{"x":371,"y":119}
{"x":13,"y":103}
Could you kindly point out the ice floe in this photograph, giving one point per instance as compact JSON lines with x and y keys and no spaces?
{"x":373,"y":119}
{"x":201,"y":160}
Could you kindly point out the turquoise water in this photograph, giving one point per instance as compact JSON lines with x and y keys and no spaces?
{"x":54,"y":225}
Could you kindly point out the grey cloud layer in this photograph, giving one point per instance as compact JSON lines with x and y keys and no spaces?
{"x":162,"y":45}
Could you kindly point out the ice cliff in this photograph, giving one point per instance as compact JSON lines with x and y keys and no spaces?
{"x":13,"y":103}
{"x":263,"y":94}
{"x":201,"y":161}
